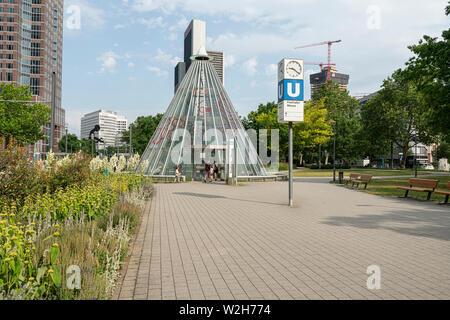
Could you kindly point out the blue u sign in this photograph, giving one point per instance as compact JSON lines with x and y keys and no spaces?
{"x":290,"y":90}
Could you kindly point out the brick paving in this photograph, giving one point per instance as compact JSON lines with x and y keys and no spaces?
{"x":212,"y":241}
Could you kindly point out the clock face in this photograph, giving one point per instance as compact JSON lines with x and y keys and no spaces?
{"x":294,"y":69}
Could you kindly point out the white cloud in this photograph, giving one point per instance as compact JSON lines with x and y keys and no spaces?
{"x":119,"y":26}
{"x":158,"y":71}
{"x":271,"y":69}
{"x":166,"y":58}
{"x":108,"y":62}
{"x":130,"y":65}
{"x":229,"y":59}
{"x":249,"y":66}
{"x":173,"y":36}
{"x":180,"y":25}
{"x":91,"y":17}
{"x":153,"y":22}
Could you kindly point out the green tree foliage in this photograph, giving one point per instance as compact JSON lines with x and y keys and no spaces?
{"x":142,"y":131}
{"x":308,"y":134}
{"x":73,"y":143}
{"x":21,"y":121}
{"x":396,"y":114}
{"x":430,"y":69}
{"x":342,"y":109}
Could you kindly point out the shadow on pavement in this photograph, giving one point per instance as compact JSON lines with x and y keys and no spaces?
{"x":211,"y":196}
{"x":421,"y":221}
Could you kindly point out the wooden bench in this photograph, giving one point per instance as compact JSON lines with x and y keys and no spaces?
{"x":420,"y":185}
{"x":445,"y":193}
{"x":351,"y":178}
{"x":364,"y":179}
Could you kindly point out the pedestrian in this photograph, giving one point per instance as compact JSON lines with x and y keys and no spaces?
{"x":216,"y":171}
{"x":211,"y":172}
{"x":207,"y":168}
{"x":177,"y":174}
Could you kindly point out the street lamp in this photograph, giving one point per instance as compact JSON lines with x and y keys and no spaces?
{"x":67,"y":127}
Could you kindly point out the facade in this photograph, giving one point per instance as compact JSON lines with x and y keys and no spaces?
{"x":180,"y":71}
{"x":201,"y":126}
{"x":111,"y":126}
{"x":194,"y":40}
{"x":31,"y":38}
{"x":318,"y":79}
{"x":217,"y":62}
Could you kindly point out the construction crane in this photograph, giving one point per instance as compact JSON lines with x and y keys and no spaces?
{"x":321,"y":64}
{"x":329,"y":43}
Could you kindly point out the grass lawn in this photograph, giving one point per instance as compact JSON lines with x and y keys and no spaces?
{"x":375,"y":172}
{"x":387,"y":187}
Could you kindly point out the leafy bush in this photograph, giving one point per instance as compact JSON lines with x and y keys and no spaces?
{"x":18,"y":176}
{"x":73,"y":170}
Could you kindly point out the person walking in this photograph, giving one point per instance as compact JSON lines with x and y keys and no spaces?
{"x":177,"y":174}
{"x":216,"y":171}
{"x":207,"y":168}
{"x":211,"y":173}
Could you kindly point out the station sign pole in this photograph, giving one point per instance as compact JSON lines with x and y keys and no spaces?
{"x":291,"y":105}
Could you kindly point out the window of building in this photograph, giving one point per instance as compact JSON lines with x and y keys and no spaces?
{"x":9,"y":47}
{"x":10,"y":28}
{"x":10,"y":10}
{"x":10,"y":19}
{"x":9,"y":38}
{"x":9,"y":76}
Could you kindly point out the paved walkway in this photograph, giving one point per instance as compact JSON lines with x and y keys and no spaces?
{"x":204,"y":241}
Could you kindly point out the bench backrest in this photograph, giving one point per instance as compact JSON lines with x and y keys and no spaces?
{"x":448,"y":185}
{"x":354,"y":175}
{"x":423,"y":183}
{"x":366,"y":177}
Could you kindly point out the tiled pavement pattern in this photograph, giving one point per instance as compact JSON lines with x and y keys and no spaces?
{"x":208,"y":241}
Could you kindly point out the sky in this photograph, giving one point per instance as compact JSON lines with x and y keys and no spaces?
{"x":120,"y":55}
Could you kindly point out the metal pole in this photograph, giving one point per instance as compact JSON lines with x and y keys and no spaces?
{"x":291,"y":156}
{"x":66,"y":140}
{"x":131,"y":144}
{"x":52,"y":128}
{"x":235,"y":162}
{"x":415,"y":158}
{"x":334,"y":153}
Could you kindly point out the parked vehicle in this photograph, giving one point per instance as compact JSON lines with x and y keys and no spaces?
{"x":427,"y":166}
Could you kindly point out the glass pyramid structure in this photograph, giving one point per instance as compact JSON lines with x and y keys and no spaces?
{"x":200,"y":126}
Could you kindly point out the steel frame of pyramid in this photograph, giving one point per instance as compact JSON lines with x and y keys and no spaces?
{"x":197,"y":128}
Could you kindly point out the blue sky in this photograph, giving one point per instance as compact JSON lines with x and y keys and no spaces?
{"x":122,"y":53}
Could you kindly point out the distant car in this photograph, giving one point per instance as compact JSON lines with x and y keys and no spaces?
{"x":427,"y":166}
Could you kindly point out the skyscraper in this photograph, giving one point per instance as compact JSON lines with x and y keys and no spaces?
{"x":194,"y":40}
{"x":318,"y":79}
{"x":111,"y":126}
{"x":31,"y":41}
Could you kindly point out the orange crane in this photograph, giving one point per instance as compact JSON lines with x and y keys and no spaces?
{"x":329,"y":43}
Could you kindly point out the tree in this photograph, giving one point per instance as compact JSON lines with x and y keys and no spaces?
{"x":73,"y":143}
{"x":395,"y":114}
{"x":142,"y":131}
{"x":314,"y":130}
{"x":430,"y":69}
{"x":21,"y":121}
{"x":341,"y":109}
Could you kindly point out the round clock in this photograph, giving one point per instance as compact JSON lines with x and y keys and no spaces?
{"x":294,"y":69}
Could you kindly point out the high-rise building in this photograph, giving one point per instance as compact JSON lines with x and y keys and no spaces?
{"x":217,"y":62}
{"x":194,"y":40}
{"x":111,"y":126}
{"x":318,"y":79}
{"x":31,"y":41}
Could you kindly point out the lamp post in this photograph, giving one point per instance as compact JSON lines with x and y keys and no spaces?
{"x":67,"y":125}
